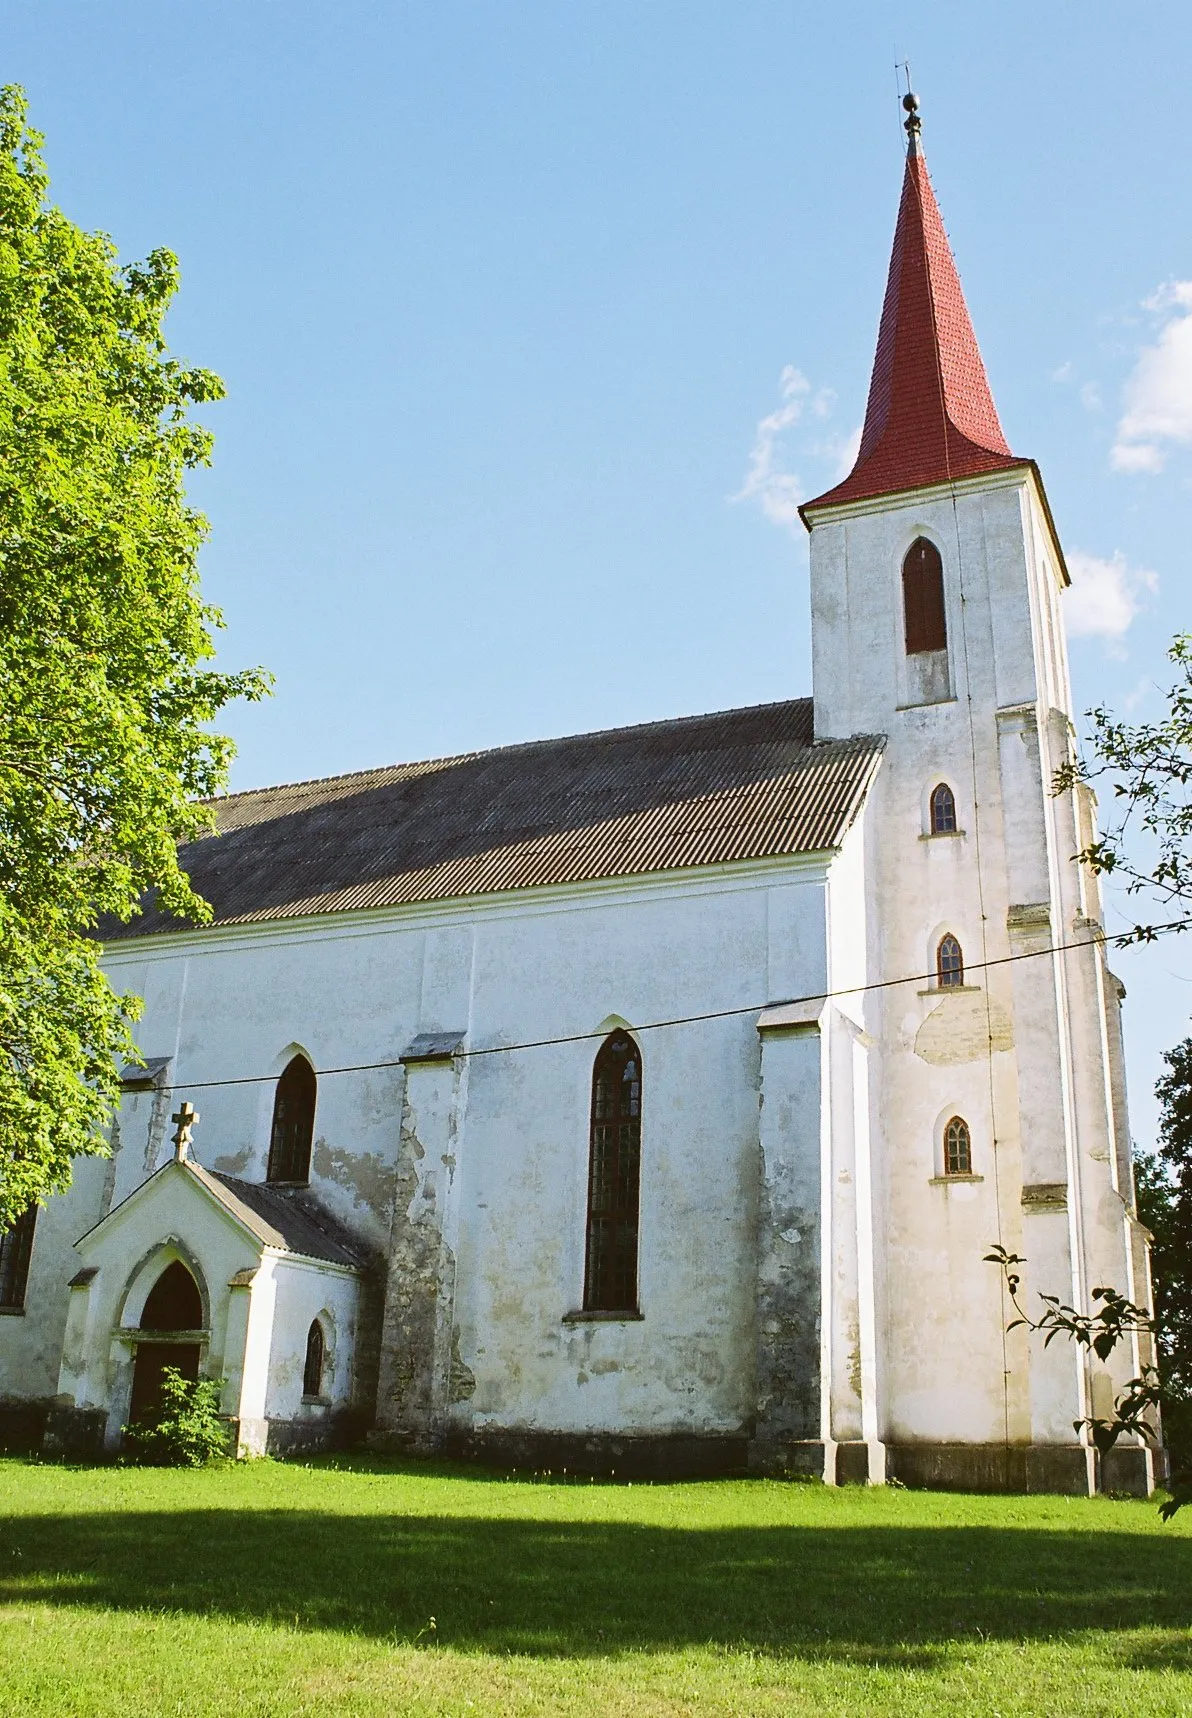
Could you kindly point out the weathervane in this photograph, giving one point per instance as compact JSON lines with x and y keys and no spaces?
{"x":187,"y":1117}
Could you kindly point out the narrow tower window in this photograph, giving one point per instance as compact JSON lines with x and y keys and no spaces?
{"x":312,"y":1372}
{"x":949,"y":963}
{"x":610,"y":1283}
{"x":293,"y":1123}
{"x":943,"y":810}
{"x":16,"y":1249}
{"x":958,"y":1148}
{"x":923,"y":598}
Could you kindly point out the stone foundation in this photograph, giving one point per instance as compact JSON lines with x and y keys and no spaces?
{"x":74,"y":1433}
{"x":1062,"y":1468}
{"x":606,"y":1455}
{"x":22,"y":1426}
{"x":298,"y":1437}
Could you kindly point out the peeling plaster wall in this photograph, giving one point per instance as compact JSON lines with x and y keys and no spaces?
{"x":31,"y":1342}
{"x":688,"y":1363}
{"x":467,"y":1179}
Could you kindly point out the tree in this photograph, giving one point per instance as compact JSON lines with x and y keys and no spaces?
{"x":1164,"y":1187}
{"x":1115,"y":1319}
{"x":1150,"y":766}
{"x":105,"y":692}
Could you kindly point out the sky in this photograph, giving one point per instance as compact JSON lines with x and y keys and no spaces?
{"x":537,"y":317}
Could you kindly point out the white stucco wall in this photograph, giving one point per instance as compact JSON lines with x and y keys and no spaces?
{"x":496,"y":1147}
{"x":31,"y":1339}
{"x":1023,"y":1052}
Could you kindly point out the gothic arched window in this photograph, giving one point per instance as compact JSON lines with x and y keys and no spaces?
{"x":958,"y":1148}
{"x":316,"y":1351}
{"x":174,"y":1301}
{"x":923,"y":598}
{"x":293,"y":1123}
{"x":949,"y":962}
{"x":16,"y":1249}
{"x":943,"y":810}
{"x":614,"y":1172}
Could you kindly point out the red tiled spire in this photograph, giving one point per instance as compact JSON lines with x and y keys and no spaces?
{"x":930,"y":415}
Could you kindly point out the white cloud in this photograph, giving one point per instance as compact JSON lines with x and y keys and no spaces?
{"x":1137,"y":456}
{"x":1090,"y":397}
{"x":846,"y":449}
{"x":1063,"y":373}
{"x":778,"y":491}
{"x":768,"y":481}
{"x":1157,"y":398}
{"x":1105,"y":595}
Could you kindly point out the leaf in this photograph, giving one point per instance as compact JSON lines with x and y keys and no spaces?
{"x":107,"y":696}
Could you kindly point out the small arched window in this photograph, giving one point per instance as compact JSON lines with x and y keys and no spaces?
{"x":949,"y":963}
{"x":958,"y":1148}
{"x":614,"y":1173}
{"x":174,"y":1302}
{"x":923,"y":598}
{"x":943,"y":810}
{"x":316,"y":1353}
{"x":293,"y":1123}
{"x":16,"y":1250}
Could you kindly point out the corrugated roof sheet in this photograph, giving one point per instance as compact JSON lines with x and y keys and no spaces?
{"x":289,"y":1218}
{"x":702,"y":790}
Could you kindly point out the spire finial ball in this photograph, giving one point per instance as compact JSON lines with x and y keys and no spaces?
{"x":911,"y":102}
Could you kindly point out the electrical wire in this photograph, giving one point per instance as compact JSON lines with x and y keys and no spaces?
{"x":926,"y":979}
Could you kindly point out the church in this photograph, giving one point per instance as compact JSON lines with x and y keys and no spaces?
{"x":645,"y":1102}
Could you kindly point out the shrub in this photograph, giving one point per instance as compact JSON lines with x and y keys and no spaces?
{"x":188,"y":1430}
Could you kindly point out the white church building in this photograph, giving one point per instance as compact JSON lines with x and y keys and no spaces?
{"x":646,"y":1101}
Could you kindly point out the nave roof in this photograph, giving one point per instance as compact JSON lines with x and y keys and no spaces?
{"x":700,"y":790}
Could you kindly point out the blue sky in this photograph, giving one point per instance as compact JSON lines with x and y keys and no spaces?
{"x":503,"y":295}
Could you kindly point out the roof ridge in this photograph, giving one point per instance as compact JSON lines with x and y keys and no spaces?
{"x":497,"y":751}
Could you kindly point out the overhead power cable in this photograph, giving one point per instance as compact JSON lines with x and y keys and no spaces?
{"x":928,"y":979}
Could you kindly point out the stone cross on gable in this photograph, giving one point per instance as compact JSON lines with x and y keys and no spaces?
{"x":187,"y":1117}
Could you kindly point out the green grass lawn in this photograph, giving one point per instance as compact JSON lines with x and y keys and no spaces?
{"x":362,"y":1588}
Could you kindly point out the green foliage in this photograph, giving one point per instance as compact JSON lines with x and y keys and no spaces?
{"x":105,"y":749}
{"x":1150,"y":767}
{"x":1163,"y":1184}
{"x":1134,"y":1409}
{"x":188,"y":1431}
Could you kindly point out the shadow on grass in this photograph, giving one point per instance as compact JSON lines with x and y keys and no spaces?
{"x":877,"y":1594}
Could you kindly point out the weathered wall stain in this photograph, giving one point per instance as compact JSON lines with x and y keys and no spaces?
{"x":963,"y":1028}
{"x":462,"y":1380}
{"x":365,"y":1175}
{"x":406,"y":1403}
{"x":159,"y":1116}
{"x":234,"y":1162}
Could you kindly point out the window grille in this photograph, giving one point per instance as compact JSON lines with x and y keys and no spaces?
{"x":614,"y":1165}
{"x":943,"y":810}
{"x":293,"y":1123}
{"x":923,"y":598}
{"x":312,"y":1372}
{"x":949,"y":963}
{"x":958,"y":1148}
{"x":16,"y":1249}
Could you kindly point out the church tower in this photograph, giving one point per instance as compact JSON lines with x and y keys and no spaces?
{"x":989,"y":1038}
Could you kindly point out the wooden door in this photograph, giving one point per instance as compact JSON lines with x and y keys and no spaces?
{"x":151,"y":1361}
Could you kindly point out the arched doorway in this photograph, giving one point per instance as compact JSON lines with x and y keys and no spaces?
{"x":173,"y":1307}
